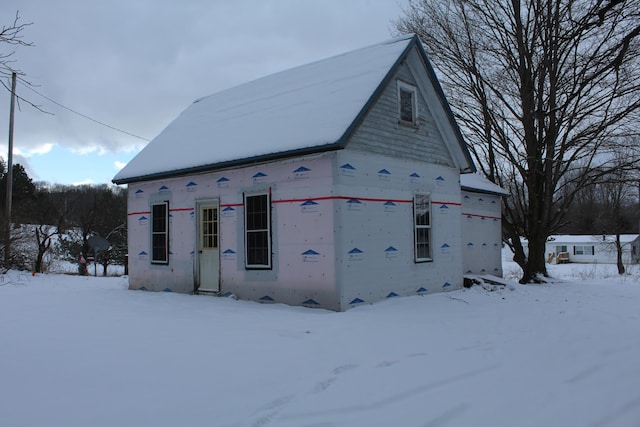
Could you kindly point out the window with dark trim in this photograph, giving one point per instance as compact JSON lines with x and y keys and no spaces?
{"x":407,"y":103}
{"x":160,"y":233}
{"x":583,"y":250}
{"x":422,"y":227}
{"x":257,"y":226}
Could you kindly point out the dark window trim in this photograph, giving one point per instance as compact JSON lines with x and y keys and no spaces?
{"x":163,"y":232}
{"x":268,"y":231}
{"x":428,"y":227}
{"x":406,"y":87}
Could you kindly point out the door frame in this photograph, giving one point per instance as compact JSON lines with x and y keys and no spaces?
{"x":200,"y":203}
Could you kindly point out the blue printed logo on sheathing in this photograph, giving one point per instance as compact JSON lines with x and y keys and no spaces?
{"x":356,"y":301}
{"x":390,"y":206}
{"x":259,"y":177}
{"x":421,"y":290}
{"x":228,"y":212}
{"x":267,"y":298}
{"x":384,"y":172}
{"x":392,"y":294}
{"x":310,"y":256}
{"x":446,"y":285}
{"x":391,"y":252}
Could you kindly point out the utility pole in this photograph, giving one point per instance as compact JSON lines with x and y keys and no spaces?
{"x":9,"y":177}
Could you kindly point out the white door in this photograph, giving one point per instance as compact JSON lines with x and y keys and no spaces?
{"x":208,"y":251}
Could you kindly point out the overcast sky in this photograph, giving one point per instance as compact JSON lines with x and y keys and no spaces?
{"x":136,"y":64}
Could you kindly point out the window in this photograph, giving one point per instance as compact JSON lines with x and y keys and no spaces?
{"x":257,"y":225}
{"x":560,"y":249}
{"x":160,"y":233}
{"x":407,"y":103}
{"x":209,"y":227}
{"x":422,"y":227}
{"x":583,"y":250}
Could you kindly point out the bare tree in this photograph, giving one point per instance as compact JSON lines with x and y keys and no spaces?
{"x":10,"y":38}
{"x":616,"y":193}
{"x":541,"y":89}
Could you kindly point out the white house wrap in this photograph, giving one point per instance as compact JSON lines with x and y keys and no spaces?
{"x":329,"y":185}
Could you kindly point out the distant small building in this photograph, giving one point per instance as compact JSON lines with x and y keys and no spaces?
{"x":592,"y":248}
{"x":332,"y":184}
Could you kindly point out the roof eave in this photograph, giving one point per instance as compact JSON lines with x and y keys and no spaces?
{"x":479,"y":190}
{"x":229,"y":164}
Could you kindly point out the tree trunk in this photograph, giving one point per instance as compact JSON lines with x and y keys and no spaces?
{"x":621,"y":269}
{"x":39,"y":257}
{"x":535,"y":268}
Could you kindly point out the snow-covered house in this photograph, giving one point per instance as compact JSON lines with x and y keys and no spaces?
{"x":592,"y":248}
{"x":330,"y":185}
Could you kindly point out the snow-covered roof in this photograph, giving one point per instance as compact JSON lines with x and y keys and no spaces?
{"x":310,"y":108}
{"x":296,"y":109}
{"x":590,"y":238}
{"x":477,"y":183}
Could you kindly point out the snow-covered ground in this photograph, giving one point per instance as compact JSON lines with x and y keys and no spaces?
{"x":84,"y":351}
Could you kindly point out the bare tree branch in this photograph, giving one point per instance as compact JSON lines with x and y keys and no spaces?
{"x":545,"y":92}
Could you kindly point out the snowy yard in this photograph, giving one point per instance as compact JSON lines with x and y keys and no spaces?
{"x":84,"y":351}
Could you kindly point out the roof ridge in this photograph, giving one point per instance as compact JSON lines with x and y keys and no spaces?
{"x":309,"y":64}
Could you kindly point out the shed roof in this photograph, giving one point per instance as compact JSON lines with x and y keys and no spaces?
{"x":477,"y":183}
{"x":310,"y":108}
{"x":590,"y":238}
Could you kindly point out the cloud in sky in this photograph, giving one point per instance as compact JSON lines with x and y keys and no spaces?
{"x":135,"y":65}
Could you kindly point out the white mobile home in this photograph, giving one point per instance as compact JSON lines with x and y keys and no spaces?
{"x":330,"y":185}
{"x":593,"y":248}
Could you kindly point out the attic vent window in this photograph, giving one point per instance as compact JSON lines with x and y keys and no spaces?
{"x":407,"y":103}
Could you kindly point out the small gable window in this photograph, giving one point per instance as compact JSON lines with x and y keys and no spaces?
{"x":407,"y":103}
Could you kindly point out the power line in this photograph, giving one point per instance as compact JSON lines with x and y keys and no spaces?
{"x":82,"y":115}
